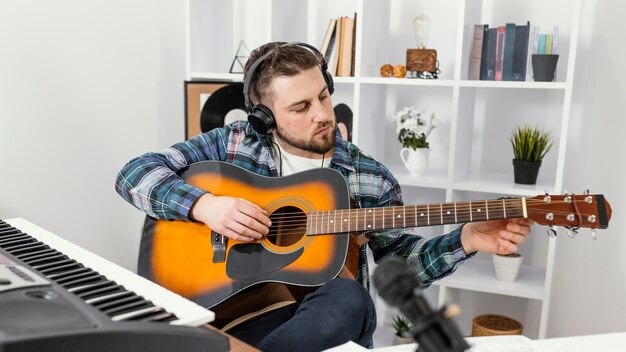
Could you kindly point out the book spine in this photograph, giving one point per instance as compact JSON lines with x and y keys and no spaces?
{"x":477,"y":50}
{"x":483,"y":56}
{"x":500,"y":52}
{"x":509,"y":48}
{"x":491,"y":54}
{"x":520,"y":54}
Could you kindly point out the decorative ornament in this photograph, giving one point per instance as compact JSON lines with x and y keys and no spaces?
{"x":386,"y":70}
{"x":239,"y":62}
{"x":399,"y":71}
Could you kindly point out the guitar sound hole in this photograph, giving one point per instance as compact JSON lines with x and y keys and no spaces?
{"x":288,"y":226}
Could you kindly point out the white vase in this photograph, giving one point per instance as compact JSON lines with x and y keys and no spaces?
{"x":416,"y":161}
{"x":507,"y":266}
{"x":401,"y":340}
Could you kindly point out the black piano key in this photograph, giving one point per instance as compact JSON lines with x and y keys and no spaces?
{"x":7,"y":238}
{"x":69,"y":273}
{"x":95,"y":301}
{"x":84,"y":280}
{"x":100,"y":291}
{"x":34,"y":248}
{"x":18,"y":244}
{"x":72,"y":264}
{"x":140,"y":303}
{"x":114,"y":304}
{"x":89,"y":287}
{"x":68,"y":280}
{"x":47,"y":258}
{"x":46,"y":251}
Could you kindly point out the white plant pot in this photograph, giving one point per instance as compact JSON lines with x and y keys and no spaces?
{"x":401,"y":340}
{"x":416,"y":161}
{"x":507,"y":266}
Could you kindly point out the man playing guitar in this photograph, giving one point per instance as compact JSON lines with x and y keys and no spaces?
{"x":291,"y":128}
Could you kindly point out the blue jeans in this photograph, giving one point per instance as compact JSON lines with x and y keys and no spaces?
{"x":337,"y":312}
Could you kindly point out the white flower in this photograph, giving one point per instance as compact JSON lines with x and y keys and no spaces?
{"x":412,"y":129}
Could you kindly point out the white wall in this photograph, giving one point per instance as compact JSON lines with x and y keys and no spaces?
{"x":590,"y":276}
{"x":85,"y":86}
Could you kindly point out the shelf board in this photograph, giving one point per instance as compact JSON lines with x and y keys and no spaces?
{"x":407,"y":81}
{"x":217,"y":76}
{"x":501,"y":184}
{"x":513,"y":84}
{"x":432,"y":178}
{"x":479,"y":275}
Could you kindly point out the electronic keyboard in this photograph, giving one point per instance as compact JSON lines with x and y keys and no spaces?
{"x":57,"y":296}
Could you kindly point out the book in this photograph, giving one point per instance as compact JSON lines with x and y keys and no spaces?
{"x":548,"y":49}
{"x":477,"y":51}
{"x":532,"y":49}
{"x":483,"y":56}
{"x":500,"y":52}
{"x":352,"y":73}
{"x":491,"y":54}
{"x":509,"y":47}
{"x":329,"y":40}
{"x":541,"y":44}
{"x":555,"y":41}
{"x":345,"y":47}
{"x":520,"y":53}
{"x":333,"y":62}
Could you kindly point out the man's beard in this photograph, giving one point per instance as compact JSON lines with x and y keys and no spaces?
{"x":318,"y":147}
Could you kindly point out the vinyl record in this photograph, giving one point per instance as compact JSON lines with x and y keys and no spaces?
{"x":223,"y":106}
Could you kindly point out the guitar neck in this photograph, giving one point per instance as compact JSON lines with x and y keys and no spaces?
{"x":368,"y":219}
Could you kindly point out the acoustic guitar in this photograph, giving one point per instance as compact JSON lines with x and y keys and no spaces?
{"x":311,"y":217}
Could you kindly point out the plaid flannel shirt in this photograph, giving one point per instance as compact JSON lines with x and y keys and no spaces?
{"x":150,"y":183}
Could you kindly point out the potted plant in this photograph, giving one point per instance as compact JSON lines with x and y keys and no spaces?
{"x":530,"y":145}
{"x":402,"y":331}
{"x":413,"y":131}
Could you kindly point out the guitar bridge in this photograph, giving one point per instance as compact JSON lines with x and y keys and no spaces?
{"x":219,"y":247}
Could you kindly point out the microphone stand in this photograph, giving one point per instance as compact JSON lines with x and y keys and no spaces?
{"x":436,"y":332}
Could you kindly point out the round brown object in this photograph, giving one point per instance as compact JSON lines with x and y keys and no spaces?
{"x":399,"y":71}
{"x":386,"y":70}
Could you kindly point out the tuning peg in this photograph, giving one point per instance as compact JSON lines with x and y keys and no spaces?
{"x":571,"y":233}
{"x":586,"y":192}
{"x":551,"y":231}
{"x":593,"y":234}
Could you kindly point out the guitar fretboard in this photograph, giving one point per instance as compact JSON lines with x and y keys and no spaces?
{"x":368,"y":219}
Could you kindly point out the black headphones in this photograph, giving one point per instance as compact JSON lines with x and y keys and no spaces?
{"x":260,"y":116}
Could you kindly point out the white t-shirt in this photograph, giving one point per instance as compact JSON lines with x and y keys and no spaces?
{"x":292,"y":164}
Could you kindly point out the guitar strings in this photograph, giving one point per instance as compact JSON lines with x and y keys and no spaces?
{"x":434,"y":209}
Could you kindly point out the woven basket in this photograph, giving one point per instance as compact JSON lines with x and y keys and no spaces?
{"x":491,"y":324}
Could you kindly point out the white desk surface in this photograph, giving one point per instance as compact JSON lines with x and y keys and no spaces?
{"x":613,"y":342}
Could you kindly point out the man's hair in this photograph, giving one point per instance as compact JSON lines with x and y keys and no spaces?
{"x":285,"y":60}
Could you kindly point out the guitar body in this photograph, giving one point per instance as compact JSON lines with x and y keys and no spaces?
{"x":199,"y":264}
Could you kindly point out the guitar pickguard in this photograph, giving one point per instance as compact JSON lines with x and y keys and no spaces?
{"x":250,"y":260}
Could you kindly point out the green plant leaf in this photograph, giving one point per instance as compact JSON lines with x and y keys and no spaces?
{"x":530,"y":144}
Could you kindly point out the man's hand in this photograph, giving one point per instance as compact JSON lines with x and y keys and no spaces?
{"x":497,"y":236}
{"x":234,"y":218}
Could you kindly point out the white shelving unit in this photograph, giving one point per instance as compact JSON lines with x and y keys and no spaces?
{"x":471,"y":155}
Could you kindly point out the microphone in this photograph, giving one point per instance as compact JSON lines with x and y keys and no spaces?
{"x":399,"y":286}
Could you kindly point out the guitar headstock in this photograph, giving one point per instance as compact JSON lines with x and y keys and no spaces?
{"x":572,"y":211}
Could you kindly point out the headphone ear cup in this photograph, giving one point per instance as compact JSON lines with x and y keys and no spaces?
{"x":261,"y":119}
{"x":329,"y":81}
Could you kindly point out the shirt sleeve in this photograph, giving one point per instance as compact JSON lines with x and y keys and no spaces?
{"x":431,"y":258}
{"x":151,"y":182}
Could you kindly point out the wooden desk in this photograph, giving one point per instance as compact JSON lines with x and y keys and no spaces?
{"x":236,"y":345}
